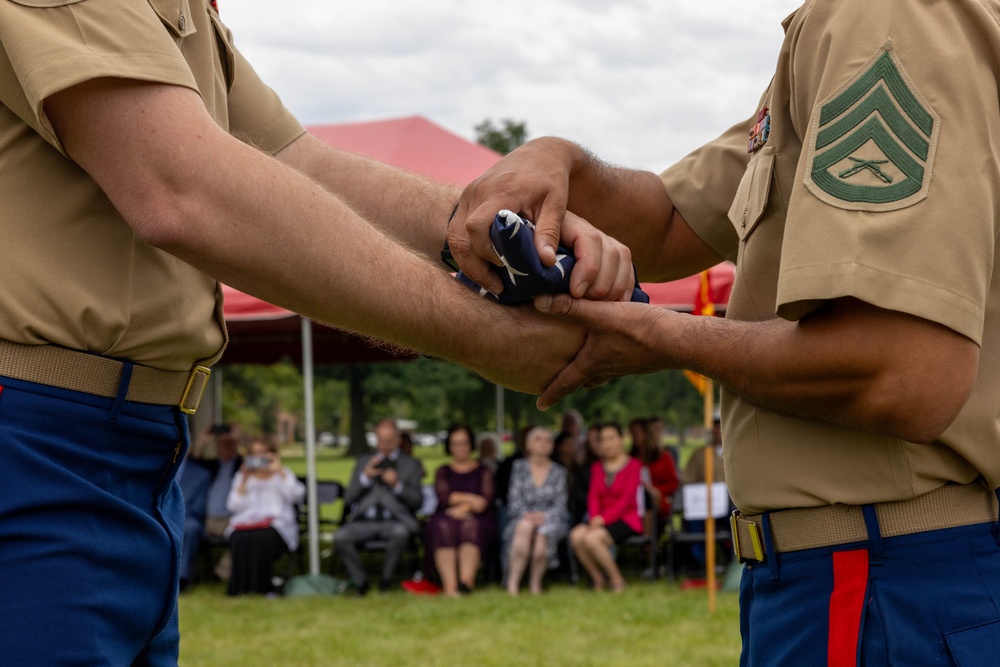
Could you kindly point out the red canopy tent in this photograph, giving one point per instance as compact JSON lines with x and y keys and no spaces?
{"x":261,"y":333}
{"x":414,"y":144}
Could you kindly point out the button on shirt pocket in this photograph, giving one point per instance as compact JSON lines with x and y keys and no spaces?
{"x":175,"y":15}
{"x":751,"y":195}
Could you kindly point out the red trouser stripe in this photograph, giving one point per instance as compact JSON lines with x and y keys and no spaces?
{"x":850,"y":581}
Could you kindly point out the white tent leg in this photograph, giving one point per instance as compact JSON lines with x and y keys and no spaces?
{"x":311,"y":502}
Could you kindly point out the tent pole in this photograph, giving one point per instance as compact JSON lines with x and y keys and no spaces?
{"x":311,"y":503}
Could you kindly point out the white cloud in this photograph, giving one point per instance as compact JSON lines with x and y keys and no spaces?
{"x":639,"y":82}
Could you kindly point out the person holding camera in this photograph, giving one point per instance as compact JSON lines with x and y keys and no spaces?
{"x":380,"y":504}
{"x":264,"y":524}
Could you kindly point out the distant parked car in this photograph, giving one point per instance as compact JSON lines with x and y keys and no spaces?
{"x":425,"y":439}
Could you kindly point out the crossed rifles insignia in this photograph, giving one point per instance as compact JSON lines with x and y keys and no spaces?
{"x":873,"y":141}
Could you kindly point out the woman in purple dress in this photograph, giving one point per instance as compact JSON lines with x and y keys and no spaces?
{"x":464,"y":524}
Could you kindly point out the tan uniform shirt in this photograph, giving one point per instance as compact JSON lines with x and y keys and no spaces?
{"x":879,"y":179}
{"x":74,"y":272}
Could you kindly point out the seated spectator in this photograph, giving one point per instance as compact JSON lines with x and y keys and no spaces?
{"x":580,"y":479}
{"x":659,"y":477}
{"x":264,"y":523}
{"x":504,"y":469}
{"x":405,"y":442}
{"x":537,"y":517}
{"x":612,"y":504}
{"x":572,"y":423}
{"x":656,"y":430}
{"x":381,"y":500}
{"x":566,"y":454}
{"x":489,"y":454}
{"x":464,"y":524}
{"x":205,"y":481}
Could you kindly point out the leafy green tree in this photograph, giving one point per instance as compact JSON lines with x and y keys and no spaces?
{"x":503,"y":139}
{"x":253,"y":395}
{"x":667,"y":394}
{"x":432,"y":392}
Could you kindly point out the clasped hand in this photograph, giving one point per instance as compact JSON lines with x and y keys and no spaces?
{"x":534,"y":182}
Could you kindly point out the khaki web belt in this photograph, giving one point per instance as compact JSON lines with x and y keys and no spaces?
{"x":950,"y":506}
{"x":92,"y":374}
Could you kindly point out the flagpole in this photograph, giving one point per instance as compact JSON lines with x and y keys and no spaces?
{"x":709,"y":480}
{"x":704,"y":305}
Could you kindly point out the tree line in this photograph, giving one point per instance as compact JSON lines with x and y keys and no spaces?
{"x":436,"y":393}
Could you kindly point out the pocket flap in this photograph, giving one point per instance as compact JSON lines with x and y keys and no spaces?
{"x":175,"y":14}
{"x":975,"y":646}
{"x":751,"y":196}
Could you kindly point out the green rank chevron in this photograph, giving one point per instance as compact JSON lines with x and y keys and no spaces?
{"x":874,"y":139}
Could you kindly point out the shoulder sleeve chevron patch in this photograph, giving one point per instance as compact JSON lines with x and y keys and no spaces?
{"x":872,"y":142}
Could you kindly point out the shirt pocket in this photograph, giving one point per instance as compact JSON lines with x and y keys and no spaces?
{"x":751,"y":195}
{"x":175,"y":15}
{"x":227,"y":58}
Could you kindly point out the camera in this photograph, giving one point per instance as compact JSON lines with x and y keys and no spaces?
{"x":257,"y":462}
{"x":386,"y":464}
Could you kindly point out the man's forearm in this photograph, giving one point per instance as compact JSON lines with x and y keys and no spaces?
{"x":411,"y":208}
{"x":854,"y":365}
{"x":267,"y":229}
{"x":851,"y":363}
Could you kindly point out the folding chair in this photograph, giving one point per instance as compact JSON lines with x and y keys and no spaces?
{"x":680,"y":534}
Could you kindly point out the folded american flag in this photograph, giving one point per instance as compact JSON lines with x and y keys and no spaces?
{"x":523,"y":275}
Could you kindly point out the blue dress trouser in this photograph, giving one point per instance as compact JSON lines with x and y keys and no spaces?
{"x":90,"y":528}
{"x":929,"y":598}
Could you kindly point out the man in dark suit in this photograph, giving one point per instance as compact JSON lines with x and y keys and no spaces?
{"x":205,"y":482}
{"x":381,"y":501}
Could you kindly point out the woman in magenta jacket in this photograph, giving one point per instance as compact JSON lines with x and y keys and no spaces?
{"x":613,"y":509}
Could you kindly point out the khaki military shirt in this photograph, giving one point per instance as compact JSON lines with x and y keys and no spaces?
{"x":868,"y":170}
{"x":74,"y":272}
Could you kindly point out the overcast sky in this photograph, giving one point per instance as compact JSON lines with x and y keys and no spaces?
{"x":639,"y":82}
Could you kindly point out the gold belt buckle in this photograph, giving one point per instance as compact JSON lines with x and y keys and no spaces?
{"x":755,"y":542}
{"x":197,"y":381}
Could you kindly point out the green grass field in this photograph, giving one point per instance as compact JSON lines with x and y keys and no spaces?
{"x":652,"y":623}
